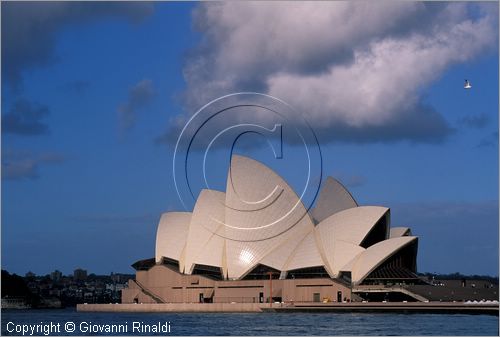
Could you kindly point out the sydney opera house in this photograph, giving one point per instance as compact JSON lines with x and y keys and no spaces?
{"x":257,"y":243}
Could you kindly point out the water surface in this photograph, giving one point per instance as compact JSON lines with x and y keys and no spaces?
{"x":257,"y":323}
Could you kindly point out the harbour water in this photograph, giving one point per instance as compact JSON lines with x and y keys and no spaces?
{"x":62,"y":321}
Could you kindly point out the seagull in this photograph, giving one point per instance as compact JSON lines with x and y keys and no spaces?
{"x":467,"y":85}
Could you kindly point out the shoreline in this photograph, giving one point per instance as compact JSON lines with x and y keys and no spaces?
{"x":370,"y":307}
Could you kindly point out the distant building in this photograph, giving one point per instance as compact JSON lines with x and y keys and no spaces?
{"x":14,"y":303}
{"x":116,"y":278}
{"x":56,"y":276}
{"x":228,"y":248}
{"x":80,"y":274}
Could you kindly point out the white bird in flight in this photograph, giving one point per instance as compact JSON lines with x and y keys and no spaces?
{"x":467,"y":85}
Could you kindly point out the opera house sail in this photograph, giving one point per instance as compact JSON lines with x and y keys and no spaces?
{"x":229,"y":247}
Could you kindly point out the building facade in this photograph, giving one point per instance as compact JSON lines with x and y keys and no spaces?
{"x":257,"y":242}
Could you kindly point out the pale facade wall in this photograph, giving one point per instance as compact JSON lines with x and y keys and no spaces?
{"x":240,"y":291}
{"x":173,"y":287}
{"x":131,"y":292}
{"x":303,"y":290}
{"x":162,"y":281}
{"x":171,"y":307}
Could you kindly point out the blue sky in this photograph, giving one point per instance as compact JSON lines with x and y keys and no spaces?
{"x":92,"y":93}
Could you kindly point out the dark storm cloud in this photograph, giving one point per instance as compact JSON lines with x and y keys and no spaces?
{"x":420,"y":124}
{"x":25,"y":118}
{"x":20,"y":165}
{"x":489,"y":141}
{"x":478,"y":121}
{"x":29,"y":29}
{"x":139,"y":96}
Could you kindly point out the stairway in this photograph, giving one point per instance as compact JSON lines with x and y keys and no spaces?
{"x":404,"y":290}
{"x":155,"y":298}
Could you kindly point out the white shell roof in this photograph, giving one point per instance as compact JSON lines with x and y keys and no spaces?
{"x":333,"y":198}
{"x":399,"y":231}
{"x":305,"y":255}
{"x":279,"y":256}
{"x":260,"y":219}
{"x":262,"y":213}
{"x":259,"y":203}
{"x":171,"y":235}
{"x":202,"y":245}
{"x":374,"y":256}
{"x":350,"y":225}
{"x":343,"y":253}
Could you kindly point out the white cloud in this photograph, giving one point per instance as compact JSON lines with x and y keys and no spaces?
{"x":351,"y":66}
{"x":383,"y":80}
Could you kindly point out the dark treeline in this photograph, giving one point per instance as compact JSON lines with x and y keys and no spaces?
{"x":15,"y":286}
{"x":458,"y":276}
{"x":57,"y":290}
